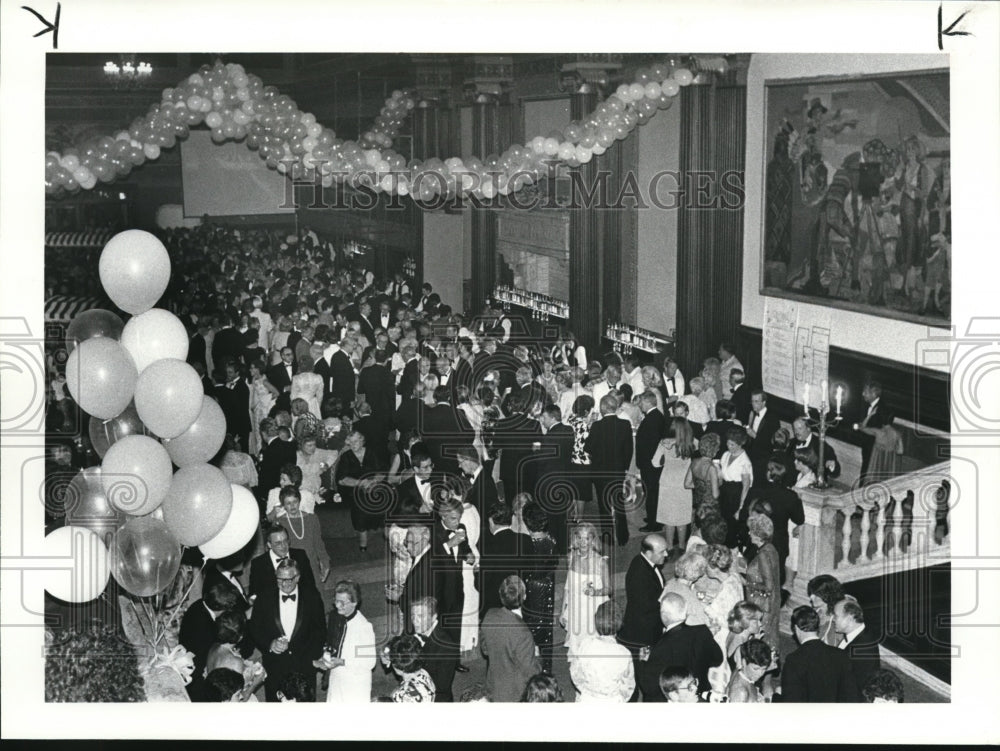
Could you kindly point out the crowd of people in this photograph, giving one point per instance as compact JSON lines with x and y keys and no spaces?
{"x":489,"y":460}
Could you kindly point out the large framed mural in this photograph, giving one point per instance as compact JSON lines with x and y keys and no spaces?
{"x":857,"y":204}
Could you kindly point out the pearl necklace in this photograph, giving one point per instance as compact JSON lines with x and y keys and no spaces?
{"x":291,"y":527}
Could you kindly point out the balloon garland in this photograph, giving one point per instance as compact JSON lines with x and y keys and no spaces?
{"x":237,"y":106}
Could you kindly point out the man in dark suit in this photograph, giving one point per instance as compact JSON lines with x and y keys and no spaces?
{"x":508,"y":645}
{"x":444,"y":429}
{"x":440,"y":652}
{"x":342,"y":382}
{"x":418,"y":580}
{"x":226,"y":572}
{"x":552,"y":471}
{"x":857,"y":640}
{"x":483,"y":491}
{"x":198,"y":631}
{"x":804,"y":439}
{"x":610,"y":447}
{"x":515,"y":435}
{"x":234,"y":398}
{"x":376,"y":383}
{"x":761,"y":424}
{"x":641,"y":624}
{"x":227,"y":344}
{"x":263,"y":567}
{"x":277,"y":453}
{"x":198,"y":347}
{"x":872,"y":394}
{"x":741,"y":393}
{"x":647,"y":438}
{"x":280,"y":376}
{"x":464,"y":368}
{"x":682,"y":645}
{"x":449,"y":549}
{"x":498,"y":555}
{"x":288,"y":627}
{"x":816,"y":672}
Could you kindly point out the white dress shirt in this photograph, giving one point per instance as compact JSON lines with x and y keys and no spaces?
{"x":425,"y":491}
{"x":674,"y":386}
{"x":851,"y":636}
{"x":288,"y":611}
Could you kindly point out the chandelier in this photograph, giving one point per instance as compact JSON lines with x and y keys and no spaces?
{"x":126,"y":73}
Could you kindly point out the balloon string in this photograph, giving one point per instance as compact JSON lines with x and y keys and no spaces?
{"x":185,"y":596}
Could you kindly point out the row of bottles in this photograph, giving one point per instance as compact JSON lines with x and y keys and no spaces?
{"x":541,"y":306}
{"x":625,"y":338}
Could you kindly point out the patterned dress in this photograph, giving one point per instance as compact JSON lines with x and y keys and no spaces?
{"x":538,"y":571}
{"x":416,"y":687}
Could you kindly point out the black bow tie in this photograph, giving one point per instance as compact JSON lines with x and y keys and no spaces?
{"x":286,"y":598}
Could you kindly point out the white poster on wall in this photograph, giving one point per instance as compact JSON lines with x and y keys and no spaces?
{"x":795,"y":357}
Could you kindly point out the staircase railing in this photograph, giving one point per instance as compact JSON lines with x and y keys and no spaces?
{"x":888,"y":526}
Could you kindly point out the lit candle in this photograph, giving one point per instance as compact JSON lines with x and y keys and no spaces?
{"x":840,"y":396}
{"x":805,"y":398}
{"x":824,"y":393}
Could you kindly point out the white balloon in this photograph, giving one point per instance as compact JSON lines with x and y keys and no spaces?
{"x":85,"y":572}
{"x":153,"y":335}
{"x":239,"y":528}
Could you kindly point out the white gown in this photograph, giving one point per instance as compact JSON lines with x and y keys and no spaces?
{"x":351,"y":683}
{"x":579,"y":608}
{"x":470,"y":610}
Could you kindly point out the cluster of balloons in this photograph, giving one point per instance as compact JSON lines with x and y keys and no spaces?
{"x":148,"y":415}
{"x":394,"y":113}
{"x":237,"y":106}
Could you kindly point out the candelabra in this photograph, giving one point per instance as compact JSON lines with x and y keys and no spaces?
{"x":822,"y":423}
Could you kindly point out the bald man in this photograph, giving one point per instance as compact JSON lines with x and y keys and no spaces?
{"x":680,"y":646}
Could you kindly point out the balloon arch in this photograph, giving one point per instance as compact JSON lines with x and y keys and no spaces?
{"x":148,"y":413}
{"x":237,"y":106}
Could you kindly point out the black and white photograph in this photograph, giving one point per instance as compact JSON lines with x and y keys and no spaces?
{"x":391,"y":358}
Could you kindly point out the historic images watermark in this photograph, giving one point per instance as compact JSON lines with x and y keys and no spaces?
{"x":433,"y":190}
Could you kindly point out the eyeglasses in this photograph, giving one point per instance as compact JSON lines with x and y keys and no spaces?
{"x":288,"y":578}
{"x":693,"y":686}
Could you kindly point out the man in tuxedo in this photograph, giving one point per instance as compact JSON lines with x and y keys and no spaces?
{"x":444,"y":429}
{"x":641,"y":624}
{"x":226,"y":572}
{"x":384,"y":318}
{"x":197,"y":632}
{"x":280,"y":376}
{"x":440,"y":654}
{"x":857,"y":640}
{"x":610,"y":447}
{"x":376,"y":383}
{"x":277,"y":453}
{"x":264,"y":566}
{"x":342,"y":382}
{"x":816,"y":672}
{"x":740,"y":394}
{"x":647,"y":438}
{"x":692,"y":647}
{"x":288,"y":627}
{"x":449,"y":549}
{"x":483,"y":491}
{"x":418,"y":580}
{"x":234,"y":399}
{"x":411,"y":374}
{"x":674,"y":385}
{"x":416,"y":491}
{"x":806,"y":440}
{"x":365,"y":319}
{"x":515,"y":436}
{"x":498,"y":555}
{"x":761,"y":426}
{"x":552,"y":473}
{"x":228,"y":343}
{"x":872,"y":394}
{"x":198,"y":346}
